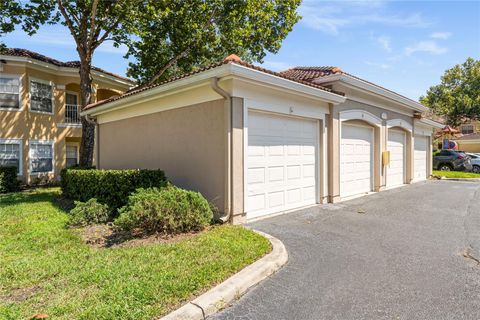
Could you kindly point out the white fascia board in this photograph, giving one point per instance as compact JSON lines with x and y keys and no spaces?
{"x":364,"y":85}
{"x":45,"y":66}
{"x":162,"y":90}
{"x":430,"y":123}
{"x":221,"y":71}
{"x":275,"y":81}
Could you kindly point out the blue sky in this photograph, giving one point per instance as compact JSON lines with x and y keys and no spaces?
{"x":402,"y":45}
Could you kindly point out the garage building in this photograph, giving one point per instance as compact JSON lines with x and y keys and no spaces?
{"x":256,"y":142}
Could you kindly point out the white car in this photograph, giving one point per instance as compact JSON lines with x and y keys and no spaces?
{"x":475,"y":160}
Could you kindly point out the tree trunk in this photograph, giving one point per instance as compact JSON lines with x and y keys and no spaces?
{"x":87,"y":145}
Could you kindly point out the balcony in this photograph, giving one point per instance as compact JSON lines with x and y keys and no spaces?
{"x":72,"y":114}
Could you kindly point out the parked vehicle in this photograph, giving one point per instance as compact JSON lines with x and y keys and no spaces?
{"x":475,"y":160}
{"x":448,"y":160}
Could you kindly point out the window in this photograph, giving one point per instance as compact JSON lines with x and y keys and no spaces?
{"x":11,"y":154}
{"x":9,"y":92}
{"x":72,"y":156}
{"x":467,"y":129}
{"x":41,"y":96}
{"x":72,"y":114}
{"x":41,"y":156}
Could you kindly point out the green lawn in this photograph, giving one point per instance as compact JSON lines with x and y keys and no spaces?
{"x":455,"y":174}
{"x":46,"y":268}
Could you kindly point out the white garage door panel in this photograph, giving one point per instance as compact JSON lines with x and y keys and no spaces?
{"x":397,"y":146}
{"x":281,"y":170}
{"x":420,"y":158}
{"x":356,"y":160}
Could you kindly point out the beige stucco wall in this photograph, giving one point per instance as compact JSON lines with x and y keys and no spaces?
{"x":380,"y":141}
{"x":469,"y":147}
{"x":29,"y":125}
{"x":188,"y":143}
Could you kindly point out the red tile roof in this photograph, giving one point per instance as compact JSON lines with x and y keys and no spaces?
{"x":471,"y":136}
{"x":230,"y":59}
{"x":17,"y":52}
{"x":312,"y":73}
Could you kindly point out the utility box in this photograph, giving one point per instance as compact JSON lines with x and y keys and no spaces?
{"x":386,"y":158}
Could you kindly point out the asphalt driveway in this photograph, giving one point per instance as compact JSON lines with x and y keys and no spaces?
{"x":404,"y":258}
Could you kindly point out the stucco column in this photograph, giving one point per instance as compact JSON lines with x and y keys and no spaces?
{"x":333,"y":133}
{"x":323,"y":162}
{"x":238,"y":152}
{"x":410,"y":157}
{"x":429,"y":156}
{"x":378,"y":167}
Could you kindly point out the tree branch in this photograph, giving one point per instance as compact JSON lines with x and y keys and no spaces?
{"x":179,"y":56}
{"x":107,"y":32}
{"x":170,"y":63}
{"x":65,"y":15}
{"x":92,"y":26}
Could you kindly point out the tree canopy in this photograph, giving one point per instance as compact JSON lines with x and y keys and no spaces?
{"x":164,"y":37}
{"x":457,"y":97}
{"x":176,"y":36}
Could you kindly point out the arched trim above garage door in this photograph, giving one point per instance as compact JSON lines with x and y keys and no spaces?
{"x":399,"y":123}
{"x":360,"y":115}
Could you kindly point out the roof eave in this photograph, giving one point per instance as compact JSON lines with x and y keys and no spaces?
{"x":364,"y":85}
{"x":431,"y":123}
{"x":274,"y":80}
{"x":52,"y":66}
{"x":230,"y":69}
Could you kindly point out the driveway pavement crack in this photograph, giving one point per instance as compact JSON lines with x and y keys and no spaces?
{"x":203,"y":311}
{"x":468,"y":254}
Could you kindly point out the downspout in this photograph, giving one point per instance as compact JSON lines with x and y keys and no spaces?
{"x":229,"y":184}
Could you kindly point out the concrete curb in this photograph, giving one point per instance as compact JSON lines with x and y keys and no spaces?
{"x":234,"y":287}
{"x":460,"y":179}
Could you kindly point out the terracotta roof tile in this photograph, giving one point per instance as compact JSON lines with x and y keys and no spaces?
{"x":17,"y":52}
{"x":230,"y":59}
{"x":312,"y":73}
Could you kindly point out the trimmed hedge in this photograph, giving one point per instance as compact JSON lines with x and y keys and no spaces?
{"x":8,"y":179}
{"x":110,"y":187}
{"x":167,"y":210}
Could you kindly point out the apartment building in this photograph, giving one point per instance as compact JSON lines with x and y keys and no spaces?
{"x":40,"y":129}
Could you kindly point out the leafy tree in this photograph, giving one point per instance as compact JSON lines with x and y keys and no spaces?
{"x":164,"y":36}
{"x":91,"y":23}
{"x":177,"y":36}
{"x":9,"y":17}
{"x":457,"y":97}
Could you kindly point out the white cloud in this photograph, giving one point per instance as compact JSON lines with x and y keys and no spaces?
{"x":429,"y":46}
{"x":382,"y":41}
{"x":382,"y":66}
{"x":441,"y":35}
{"x":332,"y":17}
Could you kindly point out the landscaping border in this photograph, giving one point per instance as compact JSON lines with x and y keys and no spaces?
{"x":460,"y":179}
{"x":234,"y":287}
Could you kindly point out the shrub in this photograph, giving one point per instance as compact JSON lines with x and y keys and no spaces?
{"x":166,"y":210}
{"x":110,"y":187}
{"x":87,"y":213}
{"x":8,"y":179}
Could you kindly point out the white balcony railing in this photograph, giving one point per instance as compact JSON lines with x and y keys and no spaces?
{"x":72,"y":113}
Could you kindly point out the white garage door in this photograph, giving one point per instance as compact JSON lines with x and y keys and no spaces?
{"x":420,"y":158}
{"x":282,"y":162}
{"x":397,"y":146}
{"x":356,"y":160}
